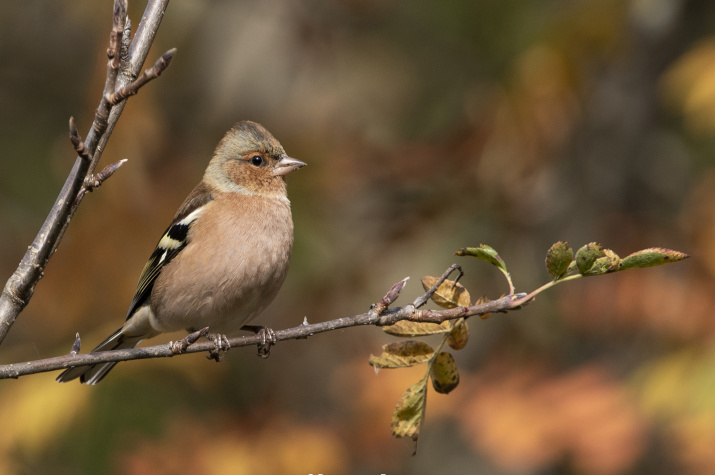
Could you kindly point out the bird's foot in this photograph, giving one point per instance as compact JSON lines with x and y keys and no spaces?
{"x":178,"y":347}
{"x":221,"y":346}
{"x":268,"y":338}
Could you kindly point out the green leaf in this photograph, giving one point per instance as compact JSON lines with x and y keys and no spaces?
{"x":406,"y":328}
{"x":444,"y":373}
{"x":485,"y":253}
{"x":402,"y":354}
{"x":449,"y":294}
{"x":587,"y":255}
{"x":558,"y":258}
{"x":653,"y":256}
{"x":410,"y":411}
{"x":603,"y":265}
{"x":572,"y":267}
{"x":459,"y":335}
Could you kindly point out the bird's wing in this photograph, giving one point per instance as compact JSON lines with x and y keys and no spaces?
{"x":174,"y":239}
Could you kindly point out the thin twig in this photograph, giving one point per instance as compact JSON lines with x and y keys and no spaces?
{"x":77,"y":141}
{"x":94,"y":181}
{"x":120,"y":23}
{"x":152,"y":73}
{"x":392,"y":294}
{"x":115,"y":37}
{"x":420,"y":301}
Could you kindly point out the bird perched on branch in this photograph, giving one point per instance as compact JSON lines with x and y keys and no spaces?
{"x":225,"y":255}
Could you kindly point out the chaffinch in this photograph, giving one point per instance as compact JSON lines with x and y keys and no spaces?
{"x":225,"y":255}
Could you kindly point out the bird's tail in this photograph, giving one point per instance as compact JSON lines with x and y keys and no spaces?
{"x":93,"y":374}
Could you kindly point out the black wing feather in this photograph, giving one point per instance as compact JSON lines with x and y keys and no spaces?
{"x":174,"y":239}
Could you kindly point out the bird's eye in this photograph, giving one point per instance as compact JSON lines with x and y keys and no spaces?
{"x":257,"y":160}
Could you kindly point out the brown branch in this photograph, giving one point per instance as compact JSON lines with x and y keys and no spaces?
{"x":94,"y":181}
{"x":77,"y":141}
{"x":420,"y":301}
{"x":152,"y":73}
{"x":392,"y":294}
{"x":300,"y":332}
{"x":115,"y":37}
{"x":125,"y":61}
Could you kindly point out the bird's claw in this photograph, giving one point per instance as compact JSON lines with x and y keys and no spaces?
{"x":221,"y":346}
{"x":268,"y":339}
{"x":178,"y":347}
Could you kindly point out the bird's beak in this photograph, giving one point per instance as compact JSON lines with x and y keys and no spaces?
{"x":286,"y":165}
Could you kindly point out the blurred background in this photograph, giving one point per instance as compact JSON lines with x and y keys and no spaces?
{"x":427,"y":126}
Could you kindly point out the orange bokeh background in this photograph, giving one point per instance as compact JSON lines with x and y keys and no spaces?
{"x":427,"y":127}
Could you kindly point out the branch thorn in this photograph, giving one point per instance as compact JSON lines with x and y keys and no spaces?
{"x":75,"y":345}
{"x":77,"y":141}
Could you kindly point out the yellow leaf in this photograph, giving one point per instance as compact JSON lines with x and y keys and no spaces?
{"x":449,"y":294}
{"x":479,"y":301}
{"x":410,"y":411}
{"x":458,"y":337}
{"x":444,"y":374}
{"x":407,"y":328}
{"x":402,"y":354}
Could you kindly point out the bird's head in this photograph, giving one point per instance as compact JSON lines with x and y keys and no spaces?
{"x":250,"y":160}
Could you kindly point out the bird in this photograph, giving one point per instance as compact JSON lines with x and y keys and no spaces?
{"x":225,"y":254}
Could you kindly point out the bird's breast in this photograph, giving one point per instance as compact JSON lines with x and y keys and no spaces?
{"x":231,"y":269}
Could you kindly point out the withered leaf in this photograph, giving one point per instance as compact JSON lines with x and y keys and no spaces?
{"x":444,"y":373}
{"x":409,"y":412}
{"x":406,"y":328}
{"x":401,"y":354}
{"x":459,"y":335}
{"x":449,"y":294}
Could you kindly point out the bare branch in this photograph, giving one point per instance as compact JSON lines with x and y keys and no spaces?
{"x":302,"y":331}
{"x":392,"y":294}
{"x":420,"y":301}
{"x":77,"y":141}
{"x":21,"y":285}
{"x":115,"y":38}
{"x":93,"y":182}
{"x":152,"y":73}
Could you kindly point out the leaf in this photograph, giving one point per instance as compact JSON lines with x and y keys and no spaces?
{"x":653,"y":256}
{"x":410,"y":411}
{"x":459,"y":335}
{"x":444,"y":373}
{"x":608,"y":263}
{"x":449,"y":294}
{"x":572,"y":267}
{"x":587,"y":255}
{"x":406,"y":328}
{"x":558,"y":258}
{"x":485,"y":253}
{"x":479,"y":301}
{"x":402,"y":354}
